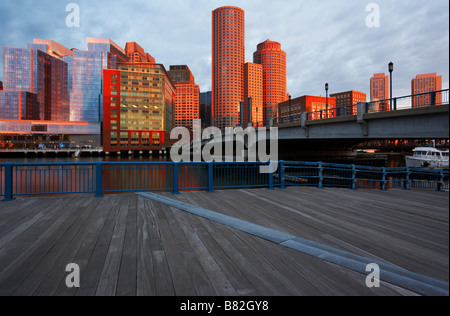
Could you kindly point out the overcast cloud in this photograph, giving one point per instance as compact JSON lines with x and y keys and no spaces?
{"x":325,"y":40}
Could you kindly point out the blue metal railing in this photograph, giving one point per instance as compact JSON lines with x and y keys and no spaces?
{"x":25,"y":179}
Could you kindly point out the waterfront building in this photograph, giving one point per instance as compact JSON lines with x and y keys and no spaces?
{"x":85,"y":77}
{"x":425,"y":83}
{"x":315,"y":105}
{"x":347,"y":98}
{"x":228,"y":58}
{"x":379,"y":91}
{"x":139,"y":102}
{"x":253,"y":92}
{"x":273,"y":60}
{"x":187,"y":103}
{"x":33,"y":70}
{"x":34,"y":134}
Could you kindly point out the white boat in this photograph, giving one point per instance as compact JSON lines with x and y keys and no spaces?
{"x":428,"y":157}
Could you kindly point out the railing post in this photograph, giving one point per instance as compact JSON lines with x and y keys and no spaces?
{"x":383,"y":180}
{"x":210,"y":177}
{"x":270,"y":175}
{"x":441,"y":182}
{"x":407,"y":183}
{"x":281,"y":175}
{"x":8,"y":182}
{"x":353,"y":177}
{"x":98,"y":179}
{"x":176,"y":187}
{"x":320,"y":175}
{"x":395,"y":104}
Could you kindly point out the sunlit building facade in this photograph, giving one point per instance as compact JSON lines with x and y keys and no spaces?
{"x":423,"y":84}
{"x":253,"y":89}
{"x":379,"y":91}
{"x":85,"y":77}
{"x":187,"y":101}
{"x":273,"y":59}
{"x":32,"y":70}
{"x":19,"y":105}
{"x":139,"y":101}
{"x":136,"y":54}
{"x":315,"y":105}
{"x":347,"y":99}
{"x":228,"y":58}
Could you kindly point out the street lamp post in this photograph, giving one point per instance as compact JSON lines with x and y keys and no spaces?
{"x":290,"y":107}
{"x":326,"y":90}
{"x":391,"y":69}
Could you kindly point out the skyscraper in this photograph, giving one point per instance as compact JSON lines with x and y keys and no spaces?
{"x":228,"y":58}
{"x":253,"y":88}
{"x":379,"y":90}
{"x":187,"y":97}
{"x":273,"y":59}
{"x":33,"y":70}
{"x":423,"y":84}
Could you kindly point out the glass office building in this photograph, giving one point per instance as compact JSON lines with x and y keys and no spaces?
{"x":85,"y":77}
{"x":32,"y":70}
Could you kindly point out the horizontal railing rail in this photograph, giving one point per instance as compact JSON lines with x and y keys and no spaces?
{"x":26,"y":179}
{"x":427,"y":99}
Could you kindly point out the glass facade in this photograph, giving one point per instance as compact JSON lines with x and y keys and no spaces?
{"x":85,"y":85}
{"x":33,"y":70}
{"x":18,"y":105}
{"x":17,"y":69}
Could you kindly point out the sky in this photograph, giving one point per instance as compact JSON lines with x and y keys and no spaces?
{"x":339,"y":42}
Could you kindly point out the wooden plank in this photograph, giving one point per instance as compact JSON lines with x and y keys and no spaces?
{"x":127,"y":279}
{"x":174,"y":255}
{"x":64,"y":246}
{"x":145,"y":277}
{"x":84,"y":241}
{"x":48,"y":240}
{"x":91,"y":274}
{"x":109,"y":277}
{"x":219,"y":283}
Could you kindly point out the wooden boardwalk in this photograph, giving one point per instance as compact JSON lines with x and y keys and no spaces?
{"x":130,"y":245}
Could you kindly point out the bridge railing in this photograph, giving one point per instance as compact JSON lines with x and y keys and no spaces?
{"x":408,"y":102}
{"x":398,"y":103}
{"x":100,"y":178}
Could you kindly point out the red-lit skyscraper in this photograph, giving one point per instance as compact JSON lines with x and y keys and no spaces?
{"x":228,"y":58}
{"x":379,"y":90}
{"x":423,"y":84}
{"x":253,"y":75}
{"x":273,"y":59}
{"x":187,"y":101}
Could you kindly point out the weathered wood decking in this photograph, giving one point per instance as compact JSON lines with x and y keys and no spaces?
{"x":130,"y":245}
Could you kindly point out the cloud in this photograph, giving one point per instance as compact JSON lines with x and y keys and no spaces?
{"x":325,"y":40}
